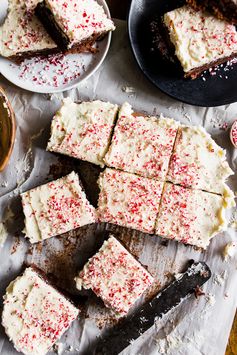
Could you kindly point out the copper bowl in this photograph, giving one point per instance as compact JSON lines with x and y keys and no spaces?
{"x":7,"y":129}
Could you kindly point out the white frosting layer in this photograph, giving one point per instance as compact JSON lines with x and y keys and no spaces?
{"x":142,"y":145}
{"x":190,"y":216}
{"x":198,"y":162}
{"x":115,"y":276}
{"x":83,"y":130}
{"x":199,"y":38}
{"x":80,"y":19}
{"x":35,"y":315}
{"x":22,"y":32}
{"x":55,"y":208}
{"x":129,"y":200}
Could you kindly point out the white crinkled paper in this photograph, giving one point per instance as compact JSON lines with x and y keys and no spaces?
{"x":197,"y":326}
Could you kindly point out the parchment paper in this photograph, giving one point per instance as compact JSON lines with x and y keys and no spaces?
{"x":197,"y":327}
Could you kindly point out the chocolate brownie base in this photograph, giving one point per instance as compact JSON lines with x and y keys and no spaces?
{"x":20,"y":57}
{"x":79,"y":48}
{"x":161,"y":41}
{"x":45,"y":15}
{"x":223,"y":9}
{"x":194,"y":73}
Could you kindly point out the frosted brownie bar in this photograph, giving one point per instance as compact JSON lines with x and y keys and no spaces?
{"x":223,"y":9}
{"x":198,"y":162}
{"x":200,"y":40}
{"x":115,"y":276}
{"x":142,"y":145}
{"x":128,"y":200}
{"x":22,"y":35}
{"x":75,"y":23}
{"x":35,"y":315}
{"x":55,"y":208}
{"x":83,"y":130}
{"x":190,"y":216}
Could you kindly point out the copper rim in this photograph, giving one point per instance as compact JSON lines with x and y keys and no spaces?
{"x":9,"y":128}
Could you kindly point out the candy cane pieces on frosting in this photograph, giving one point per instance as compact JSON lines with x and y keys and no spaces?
{"x":55,"y":208}
{"x":129,"y":200}
{"x":198,"y":162}
{"x":190,"y":216}
{"x":83,"y":130}
{"x":142,"y":145}
{"x":115,"y":276}
{"x":75,"y":23}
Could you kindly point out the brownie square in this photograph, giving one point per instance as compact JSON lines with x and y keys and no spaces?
{"x":83,"y":130}
{"x":115,"y":276}
{"x":198,"y":162}
{"x":200,"y":40}
{"x":190,"y":216}
{"x":35,"y":314}
{"x":75,"y":23}
{"x":142,"y":145}
{"x":55,"y":208}
{"x":129,"y":200}
{"x":22,"y":35}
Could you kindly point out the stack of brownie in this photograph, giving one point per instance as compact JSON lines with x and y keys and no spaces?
{"x":199,"y":35}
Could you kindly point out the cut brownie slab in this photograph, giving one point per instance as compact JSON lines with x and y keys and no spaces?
{"x":75,"y":23}
{"x":115,"y":276}
{"x":198,"y":162}
{"x":129,"y":200}
{"x":55,"y":208}
{"x":142,"y":145}
{"x":35,"y":315}
{"x":83,"y":130}
{"x":22,"y":35}
{"x":200,"y":40}
{"x":190,"y":216}
{"x":223,"y":9}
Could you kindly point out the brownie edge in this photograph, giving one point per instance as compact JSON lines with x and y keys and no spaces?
{"x":46,"y":17}
{"x":222,"y":9}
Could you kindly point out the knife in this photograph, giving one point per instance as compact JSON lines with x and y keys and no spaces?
{"x":170,"y":297}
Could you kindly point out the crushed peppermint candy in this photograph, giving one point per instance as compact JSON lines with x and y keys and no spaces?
{"x":221,"y":70}
{"x":54,"y":70}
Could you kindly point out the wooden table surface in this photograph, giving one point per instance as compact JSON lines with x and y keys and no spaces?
{"x":119,"y":10}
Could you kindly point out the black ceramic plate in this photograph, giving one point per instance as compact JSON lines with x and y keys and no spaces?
{"x":220,"y":89}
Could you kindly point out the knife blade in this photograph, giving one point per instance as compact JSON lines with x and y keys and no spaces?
{"x":134,"y":326}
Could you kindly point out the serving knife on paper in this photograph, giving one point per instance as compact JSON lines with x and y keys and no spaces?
{"x":170,"y":297}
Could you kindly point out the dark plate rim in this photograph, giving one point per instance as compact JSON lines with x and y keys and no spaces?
{"x":149,"y":77}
